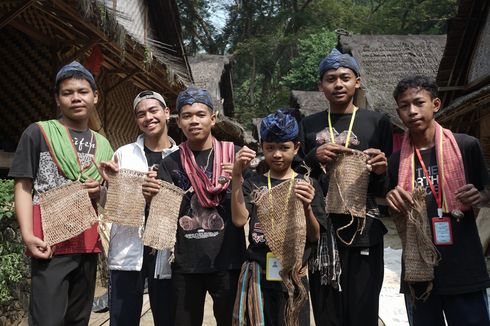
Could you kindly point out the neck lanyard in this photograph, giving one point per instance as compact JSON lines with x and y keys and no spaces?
{"x":348,"y":132}
{"x":269,"y":186}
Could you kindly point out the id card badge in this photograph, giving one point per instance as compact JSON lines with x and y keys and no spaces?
{"x":272,"y":268}
{"x":442,"y":230}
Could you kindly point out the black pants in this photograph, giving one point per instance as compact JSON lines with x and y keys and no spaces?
{"x":62,"y":290}
{"x":469,"y":309}
{"x":126,"y":295}
{"x":361,"y":281}
{"x":275,"y":299}
{"x":190,"y":291}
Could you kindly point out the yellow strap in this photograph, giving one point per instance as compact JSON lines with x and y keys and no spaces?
{"x":332,"y":139}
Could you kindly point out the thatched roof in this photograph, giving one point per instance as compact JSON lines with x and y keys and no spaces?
{"x":465,"y":66}
{"x":386,"y":59}
{"x":38,"y":37}
{"x":213,"y":72}
{"x":308,"y":102}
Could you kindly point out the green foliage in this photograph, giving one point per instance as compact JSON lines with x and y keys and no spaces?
{"x":12,"y":264}
{"x":304,"y":68}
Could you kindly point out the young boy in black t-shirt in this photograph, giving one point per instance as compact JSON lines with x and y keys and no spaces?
{"x":209,"y":249}
{"x":451,"y":169}
{"x":279,"y":141}
{"x":324,"y":135}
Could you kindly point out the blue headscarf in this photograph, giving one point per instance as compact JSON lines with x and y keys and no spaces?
{"x":75,"y":67}
{"x":336,"y":60}
{"x":279,"y":127}
{"x":194,"y":95}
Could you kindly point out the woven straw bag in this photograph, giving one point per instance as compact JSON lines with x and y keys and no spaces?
{"x":125,"y":203}
{"x":420,"y":256}
{"x":347,"y":190}
{"x":283,"y":222}
{"x":66,"y":212}
{"x":161,"y":226}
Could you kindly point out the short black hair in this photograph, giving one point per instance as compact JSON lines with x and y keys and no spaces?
{"x":75,"y":75}
{"x":418,"y":81}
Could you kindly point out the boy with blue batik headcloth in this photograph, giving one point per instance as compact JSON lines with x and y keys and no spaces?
{"x":260,"y":300}
{"x":209,"y":249}
{"x":324,"y":137}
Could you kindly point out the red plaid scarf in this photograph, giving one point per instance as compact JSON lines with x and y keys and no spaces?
{"x":207,"y":191}
{"x":453,"y":176}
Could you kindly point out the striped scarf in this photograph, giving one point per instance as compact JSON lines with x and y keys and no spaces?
{"x":248,"y":309}
{"x":207,"y":191}
{"x":453,"y":176}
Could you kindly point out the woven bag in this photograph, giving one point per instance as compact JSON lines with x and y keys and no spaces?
{"x":420,"y":256}
{"x":66,"y":212}
{"x":283,"y":222}
{"x":347,"y":190}
{"x":161,"y":226}
{"x":125,"y":203}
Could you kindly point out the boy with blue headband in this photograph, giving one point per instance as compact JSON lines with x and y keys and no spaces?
{"x":209,"y":249}
{"x":325,"y":135}
{"x":279,"y":140}
{"x":51,"y":154}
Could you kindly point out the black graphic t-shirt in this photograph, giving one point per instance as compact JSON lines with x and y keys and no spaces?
{"x":462,"y":268}
{"x":33,"y":160}
{"x":207,"y":240}
{"x":370,"y":130}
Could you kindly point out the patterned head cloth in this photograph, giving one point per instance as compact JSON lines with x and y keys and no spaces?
{"x":279,"y":127}
{"x":336,"y":60}
{"x":75,"y":67}
{"x":194,"y":95}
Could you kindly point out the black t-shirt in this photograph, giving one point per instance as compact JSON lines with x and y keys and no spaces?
{"x":462,"y":268}
{"x":153,"y":159}
{"x":203,"y":247}
{"x":33,"y":160}
{"x":258,"y":249}
{"x":370,"y":130}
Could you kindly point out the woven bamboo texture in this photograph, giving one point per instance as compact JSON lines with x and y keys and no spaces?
{"x":66,"y":212}
{"x":161,"y":226}
{"x":347,"y":189}
{"x":419,"y":253}
{"x":283,"y":222}
{"x":125,"y":203}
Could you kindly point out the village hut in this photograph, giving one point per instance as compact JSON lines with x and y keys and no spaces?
{"x":125,"y":43}
{"x":464,"y":74}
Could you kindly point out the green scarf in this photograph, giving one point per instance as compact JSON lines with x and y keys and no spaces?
{"x":65,"y":155}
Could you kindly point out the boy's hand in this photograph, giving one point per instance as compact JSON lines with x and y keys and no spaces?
{"x":470,"y":196}
{"x":38,"y":248}
{"x":242,"y":160}
{"x":399,"y":200}
{"x":151,"y":186}
{"x":107,"y":167}
{"x":328,"y":152}
{"x":93,"y":188}
{"x":377,"y":160}
{"x":304,"y":192}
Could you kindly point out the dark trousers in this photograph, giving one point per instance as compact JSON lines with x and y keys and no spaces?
{"x":361,"y":281}
{"x":62,"y":290}
{"x":190,"y":291}
{"x":469,"y":309}
{"x":275,"y":299}
{"x":126,"y":295}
